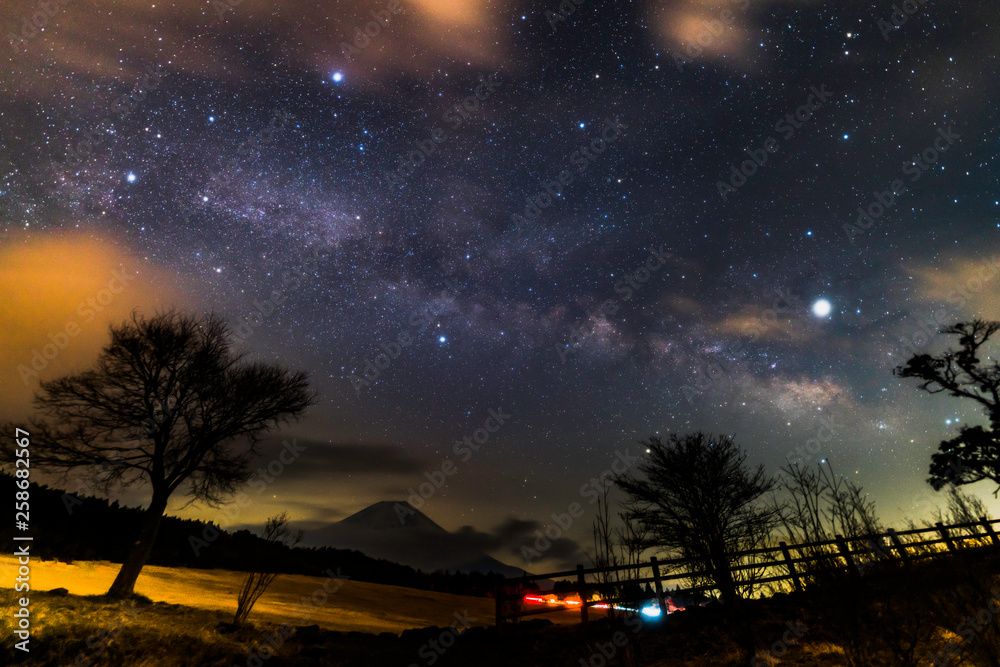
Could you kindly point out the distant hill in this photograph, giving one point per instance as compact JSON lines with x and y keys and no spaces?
{"x":69,"y":527}
{"x":397,"y":532}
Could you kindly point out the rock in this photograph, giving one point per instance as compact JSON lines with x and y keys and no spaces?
{"x":306,"y":631}
{"x":59,"y":592}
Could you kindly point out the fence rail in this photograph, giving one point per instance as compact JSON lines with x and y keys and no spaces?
{"x":792,"y":562}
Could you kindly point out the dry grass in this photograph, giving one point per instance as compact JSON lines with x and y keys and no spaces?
{"x":348,"y":605}
{"x":865,"y":621}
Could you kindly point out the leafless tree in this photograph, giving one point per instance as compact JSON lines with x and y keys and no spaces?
{"x":975,"y":454}
{"x":170,"y":404}
{"x":699,"y":498}
{"x":256,"y":581}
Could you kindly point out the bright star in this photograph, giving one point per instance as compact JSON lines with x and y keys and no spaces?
{"x":442,"y":339}
{"x":822,"y":308}
{"x":131,"y":177}
{"x":337,"y":77}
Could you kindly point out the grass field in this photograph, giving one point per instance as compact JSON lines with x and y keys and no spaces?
{"x":893,"y":616}
{"x":342,"y":605}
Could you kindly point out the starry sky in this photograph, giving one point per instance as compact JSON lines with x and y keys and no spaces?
{"x":599,"y":220}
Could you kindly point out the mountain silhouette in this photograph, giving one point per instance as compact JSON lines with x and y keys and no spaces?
{"x":395,"y":531}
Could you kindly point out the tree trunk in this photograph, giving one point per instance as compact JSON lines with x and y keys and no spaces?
{"x":139,"y":553}
{"x":724,"y":580}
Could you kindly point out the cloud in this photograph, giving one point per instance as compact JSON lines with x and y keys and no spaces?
{"x":415,"y":41}
{"x":963,"y":282}
{"x":767,"y":324}
{"x":506,"y":540}
{"x":699,"y":30}
{"x":61,"y":293}
{"x":325,"y":459}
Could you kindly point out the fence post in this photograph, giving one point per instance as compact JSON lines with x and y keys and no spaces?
{"x":499,"y":600}
{"x":659,"y":586}
{"x":581,"y":584}
{"x":791,"y":566}
{"x":845,"y":551}
{"x":900,"y":547}
{"x":989,"y":529}
{"x":947,"y":537}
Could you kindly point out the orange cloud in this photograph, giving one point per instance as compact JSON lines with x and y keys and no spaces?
{"x":705,"y":30}
{"x":967,"y":283}
{"x":768,"y":324}
{"x":61,"y":293}
{"x":417,"y":39}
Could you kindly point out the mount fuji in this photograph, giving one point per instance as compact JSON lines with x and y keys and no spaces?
{"x":397,"y":532}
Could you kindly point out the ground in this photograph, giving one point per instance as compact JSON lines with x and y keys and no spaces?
{"x":180,"y":617}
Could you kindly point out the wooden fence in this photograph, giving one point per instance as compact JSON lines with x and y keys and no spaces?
{"x":778,"y":567}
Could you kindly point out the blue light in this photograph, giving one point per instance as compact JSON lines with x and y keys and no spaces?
{"x":131,"y":177}
{"x":582,"y":125}
{"x":337,"y":77}
{"x":442,"y":339}
{"x":652,"y":611}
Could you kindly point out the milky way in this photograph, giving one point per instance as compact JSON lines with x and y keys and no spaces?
{"x":605,"y":220}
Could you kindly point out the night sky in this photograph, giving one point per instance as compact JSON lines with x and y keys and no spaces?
{"x":622,"y":221}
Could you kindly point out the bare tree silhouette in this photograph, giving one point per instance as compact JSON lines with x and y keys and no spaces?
{"x":170,"y":404}
{"x":698,"y":497}
{"x":975,"y":454}
{"x":256,"y":581}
